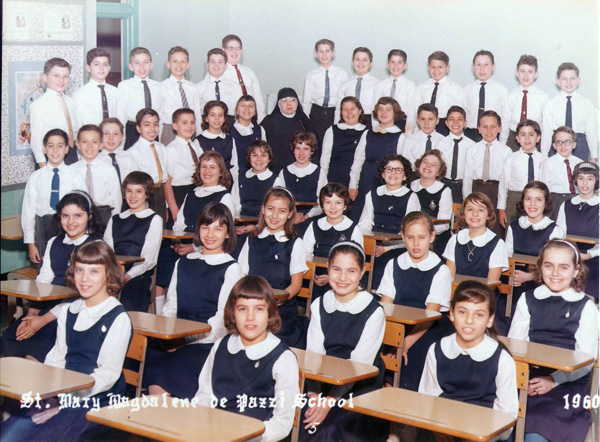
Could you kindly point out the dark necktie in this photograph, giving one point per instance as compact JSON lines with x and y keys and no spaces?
{"x":113,"y":157}
{"x":193,"y":152}
{"x":241,"y":80}
{"x":569,"y":114}
{"x":104,"y":102}
{"x":357,"y":88}
{"x":524,"y":106}
{"x":481,"y":100}
{"x":434,"y":94}
{"x":217,"y":91}
{"x":428,"y":144}
{"x":184,"y":101}
{"x":55,"y":193}
{"x":570,"y":178}
{"x":326,"y":99}
{"x":454,"y":169}
{"x":530,"y":173}
{"x":147,"y":96}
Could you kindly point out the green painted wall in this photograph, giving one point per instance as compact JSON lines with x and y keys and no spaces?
{"x":14,"y":253}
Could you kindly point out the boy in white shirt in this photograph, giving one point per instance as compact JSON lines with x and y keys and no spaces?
{"x":112,"y":140}
{"x":97,"y":100}
{"x":216,"y":86}
{"x":426,"y":138}
{"x":482,"y":94}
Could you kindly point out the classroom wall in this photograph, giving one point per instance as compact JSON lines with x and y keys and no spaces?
{"x":279,"y":36}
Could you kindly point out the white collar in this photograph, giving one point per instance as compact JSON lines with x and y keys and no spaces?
{"x":423,"y":135}
{"x":324,"y":225}
{"x":60,"y":167}
{"x":524,"y":223}
{"x":593,"y":201}
{"x":202,"y":191}
{"x":77,"y":242}
{"x":239,"y":126}
{"x":570,"y":295}
{"x":182,"y":141}
{"x":481,"y":352}
{"x":479,"y":241}
{"x":256,"y":351}
{"x":389,"y":130}
{"x":364,"y":77}
{"x":428,"y":263}
{"x":212,"y":260}
{"x":172,"y":78}
{"x":279,"y":236}
{"x":354,"y":307}
{"x":435,"y":187}
{"x":344,"y":126}
{"x":142,"y":142}
{"x":301,"y":173}
{"x":565,"y":95}
{"x":382,"y":190}
{"x":213,"y":79}
{"x":207,"y":134}
{"x":261,"y":176}
{"x":143,"y":214}
{"x":95,"y":83}
{"x":95,"y":311}
{"x":95,"y":161}
{"x":140,"y":79}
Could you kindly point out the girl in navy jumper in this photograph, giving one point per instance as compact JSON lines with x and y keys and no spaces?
{"x":418,"y":278}
{"x":557,"y":313}
{"x":92,"y":338}
{"x":348,"y":323}
{"x":265,"y":368}
{"x":34,"y":334}
{"x":340,"y":142}
{"x":245,"y":130}
{"x":470,"y":365}
{"x":136,"y":232}
{"x":198,"y":291}
{"x":276,"y":254}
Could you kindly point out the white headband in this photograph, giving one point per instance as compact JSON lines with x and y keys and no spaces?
{"x":85,"y":195}
{"x":573,"y":247}
{"x":286,"y":189}
{"x":349,"y":243}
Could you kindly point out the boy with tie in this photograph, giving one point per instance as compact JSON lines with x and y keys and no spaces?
{"x":112,"y":140}
{"x":97,"y":100}
{"x":215,"y":86}
{"x":426,"y":138}
{"x":54,"y":110}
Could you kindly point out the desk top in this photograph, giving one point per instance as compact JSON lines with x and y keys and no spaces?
{"x":19,"y":376}
{"x":382,"y":236}
{"x":584,"y":239}
{"x":11,"y":228}
{"x":460,"y":278}
{"x":172,"y":234}
{"x":319,"y":261}
{"x":525,"y":259}
{"x":281,"y":296}
{"x":171,"y":423}
{"x":246,"y":219}
{"x":155,"y":326}
{"x":332,"y":370}
{"x":36,"y":291}
{"x":433,"y":413}
{"x":546,"y":355}
{"x":306,"y":203}
{"x":124,"y":260}
{"x":408,"y":315}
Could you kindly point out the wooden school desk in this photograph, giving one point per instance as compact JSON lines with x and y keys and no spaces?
{"x":155,"y":326}
{"x":19,"y":376}
{"x":382,"y":236}
{"x":524,"y":259}
{"x":200,"y":424}
{"x":408,"y":315}
{"x":457,"y":279}
{"x":246,"y":219}
{"x":281,"y":296}
{"x":583,"y":239}
{"x":433,"y":413}
{"x":123,"y":260}
{"x":35,"y":291}
{"x":11,"y":228}
{"x":172,"y":234}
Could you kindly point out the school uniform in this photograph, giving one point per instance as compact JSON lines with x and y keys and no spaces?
{"x":353,"y":330}
{"x":584,"y":118}
{"x":216,"y":274}
{"x":436,"y":201}
{"x":483,"y":375}
{"x":136,"y":234}
{"x":580,"y":217}
{"x":47,"y":113}
{"x":305,"y":184}
{"x":247,"y":84}
{"x":362,"y":88}
{"x":266,"y":370}
{"x":37,"y":212}
{"x":223,"y":144}
{"x":243,"y":137}
{"x":276,"y":258}
{"x":476,"y":256}
{"x":494,"y":96}
{"x":182,"y":166}
{"x":557,"y":174}
{"x":219,"y":89}
{"x":448,"y":94}
{"x":568,"y":320}
{"x":405,"y":93}
{"x":92,"y":99}
{"x":514,"y":177}
{"x":250,"y":191}
{"x":112,"y":158}
{"x":90,"y":340}
{"x":384,"y":210}
{"x":105,"y":189}
{"x":133,"y":99}
{"x":337,"y":153}
{"x":173,"y":100}
{"x":521,"y":104}
{"x":415,"y":144}
{"x":454,"y":152}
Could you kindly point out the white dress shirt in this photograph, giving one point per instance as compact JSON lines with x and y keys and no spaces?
{"x":232,"y":275}
{"x":172,"y":100}
{"x":561,"y":219}
{"x":114,"y":348}
{"x":445,"y":203}
{"x":46,"y":274}
{"x":536,"y":100}
{"x":140,"y":157}
{"x":474,"y":163}
{"x":498,"y":258}
{"x":446,"y":146}
{"x":36,"y":201}
{"x":524,"y":223}
{"x":495,"y":96}
{"x":235,"y":189}
{"x":586,"y":336}
{"x":367,"y":217}
{"x":88,"y":99}
{"x":414,"y":144}
{"x":314,"y":87}
{"x":202,"y":192}
{"x":301,"y":173}
{"x":309,"y":236}
{"x":554,"y":172}
{"x":181,"y":165}
{"x":514,"y":173}
{"x":441,"y":284}
{"x":367,"y":93}
{"x":252,"y":87}
{"x":47,"y":113}
{"x":107,"y":187}
{"x":152,"y":241}
{"x":133,"y":100}
{"x":285,"y":375}
{"x":327,"y":147}
{"x":449,"y":94}
{"x":406,"y":94}
{"x":584,"y":115}
{"x":227,"y":92}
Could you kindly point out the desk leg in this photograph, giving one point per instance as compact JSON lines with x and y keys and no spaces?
{"x":595,"y":411}
{"x":297,"y":418}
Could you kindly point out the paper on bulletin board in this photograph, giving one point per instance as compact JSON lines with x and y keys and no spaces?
{"x":16,"y":24}
{"x":57,"y":26}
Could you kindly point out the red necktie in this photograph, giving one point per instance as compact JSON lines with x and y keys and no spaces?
{"x":570,"y":178}
{"x":241,"y":80}
{"x":524,"y":106}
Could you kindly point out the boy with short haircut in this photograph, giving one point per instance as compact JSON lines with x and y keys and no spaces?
{"x":439,"y":90}
{"x":571,"y":109}
{"x":101,"y":179}
{"x":178,"y":92}
{"x":520,"y":168}
{"x":215,"y":85}
{"x":526,"y":102}
{"x":400,"y":88}
{"x":322,"y":89}
{"x":139,"y":92}
{"x":557,"y":171}
{"x":454,"y":149}
{"x":112,"y":140}
{"x":482,"y":94}
{"x":97,"y":100}
{"x":426,"y":138}
{"x":54,"y":110}
{"x":44,"y":189}
{"x":362,"y":85}
{"x":242,"y":75}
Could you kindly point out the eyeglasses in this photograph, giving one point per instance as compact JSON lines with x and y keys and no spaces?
{"x":566,"y":143}
{"x":234,"y":48}
{"x":397,"y":170}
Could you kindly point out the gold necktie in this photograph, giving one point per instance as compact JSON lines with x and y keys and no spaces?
{"x":158,"y":166}
{"x":68,"y":118}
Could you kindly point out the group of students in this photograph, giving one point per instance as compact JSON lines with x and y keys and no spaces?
{"x":234,"y":167}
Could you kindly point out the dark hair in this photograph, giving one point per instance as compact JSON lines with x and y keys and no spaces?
{"x":89,"y":128}
{"x":325,"y":41}
{"x":484,"y":53}
{"x":398,"y":53}
{"x":567,"y":130}
{"x":243,"y":99}
{"x":216,"y":51}
{"x":548,"y":203}
{"x":225,"y":176}
{"x":529,"y":123}
{"x":307,"y":138}
{"x":82,"y":200}
{"x":56,"y":133}
{"x":137,"y":51}
{"x":179,"y":112}
{"x":578,"y":283}
{"x":489,"y":113}
{"x":231,"y":37}
{"x":251,"y":287}
{"x":112,"y":120}
{"x":175,"y":50}
{"x":95,"y":53}
{"x":354,"y":249}
{"x":415,"y":217}
{"x":408,"y":172}
{"x":97,"y":253}
{"x":428,"y":107}
{"x":56,"y":62}
{"x":568,"y":66}
{"x":139,"y":178}
{"x":337,"y":189}
{"x":207,"y":107}
{"x":478,"y":199}
{"x":458,"y":109}
{"x":435,"y":153}
{"x":217,"y":212}
{"x":528,"y":60}
{"x":143,"y":113}
{"x":398,"y":113}
{"x":440,"y":56}
{"x":478,"y":293}
{"x":356,"y":102}
{"x":263,"y":145}
{"x":365,"y":50}
{"x":284,"y":193}
{"x":586,"y":168}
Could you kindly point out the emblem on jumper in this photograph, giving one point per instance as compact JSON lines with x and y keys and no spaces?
{"x":104,"y":329}
{"x":257,"y":364}
{"x":297,"y":179}
{"x":390,"y":208}
{"x":213,"y":148}
{"x":343,"y":238}
{"x":568,"y":313}
{"x":432,"y":205}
